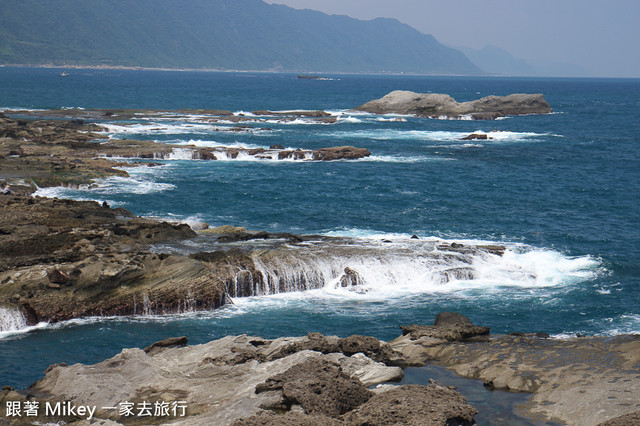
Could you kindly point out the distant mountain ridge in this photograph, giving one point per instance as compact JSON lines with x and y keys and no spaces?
{"x":495,"y":60}
{"x":215,"y":34}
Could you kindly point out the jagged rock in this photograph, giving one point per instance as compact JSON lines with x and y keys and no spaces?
{"x":437,"y":105}
{"x":319,"y":386}
{"x":415,"y":405}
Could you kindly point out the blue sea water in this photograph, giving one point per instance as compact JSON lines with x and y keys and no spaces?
{"x":561,"y":191}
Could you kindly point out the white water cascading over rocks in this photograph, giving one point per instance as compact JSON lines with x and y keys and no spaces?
{"x":368,"y":267}
{"x":11,"y":319}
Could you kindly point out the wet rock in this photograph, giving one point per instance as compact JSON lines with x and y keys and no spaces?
{"x":475,"y":136}
{"x":350,"y":278}
{"x":170,"y":342}
{"x":340,"y":153}
{"x":276,"y":146}
{"x":415,"y":405}
{"x":319,"y":386}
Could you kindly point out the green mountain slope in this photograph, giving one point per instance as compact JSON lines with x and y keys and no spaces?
{"x":221,"y":34}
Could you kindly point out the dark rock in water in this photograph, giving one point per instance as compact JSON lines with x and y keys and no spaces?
{"x":244,"y":236}
{"x":414,"y":405}
{"x":415,"y":237}
{"x":438,"y":105}
{"x":340,"y":153}
{"x":319,"y":386}
{"x":474,"y":136}
{"x":158,"y":347}
{"x":276,"y":146}
{"x":350,"y":278}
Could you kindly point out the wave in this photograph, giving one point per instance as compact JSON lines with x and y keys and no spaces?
{"x":157,"y":128}
{"x":141,"y":181}
{"x":391,"y":266}
{"x":437,"y":136}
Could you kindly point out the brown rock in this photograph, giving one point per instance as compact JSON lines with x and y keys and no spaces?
{"x":340,"y":153}
{"x":414,"y":405}
{"x":319,"y":386}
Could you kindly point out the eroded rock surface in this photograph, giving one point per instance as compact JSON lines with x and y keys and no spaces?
{"x":221,"y":381}
{"x":576,"y":381}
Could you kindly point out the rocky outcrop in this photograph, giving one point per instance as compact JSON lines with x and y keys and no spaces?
{"x":320,"y":379}
{"x":64,"y":259}
{"x":46,"y":153}
{"x":576,"y":381}
{"x":436,"y":105}
{"x":245,"y":380}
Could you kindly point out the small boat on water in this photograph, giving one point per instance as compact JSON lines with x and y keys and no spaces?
{"x":64,"y":74}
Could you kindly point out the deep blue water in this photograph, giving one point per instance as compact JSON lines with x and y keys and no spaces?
{"x":560,"y":190}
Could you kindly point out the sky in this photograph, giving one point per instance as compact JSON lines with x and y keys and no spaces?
{"x":600,"y":36}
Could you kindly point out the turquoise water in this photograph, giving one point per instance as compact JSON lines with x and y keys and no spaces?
{"x":561,"y":191}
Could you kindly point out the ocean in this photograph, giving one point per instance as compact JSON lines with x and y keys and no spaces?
{"x":560,"y":191}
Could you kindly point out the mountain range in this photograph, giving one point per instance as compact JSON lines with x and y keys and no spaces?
{"x":215,"y":34}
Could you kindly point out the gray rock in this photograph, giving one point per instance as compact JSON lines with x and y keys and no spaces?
{"x":437,"y":105}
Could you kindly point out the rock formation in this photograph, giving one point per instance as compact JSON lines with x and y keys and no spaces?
{"x":436,"y":105}
{"x":327,"y":380}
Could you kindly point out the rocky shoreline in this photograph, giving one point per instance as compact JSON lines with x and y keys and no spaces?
{"x":319,"y":380}
{"x":64,"y":259}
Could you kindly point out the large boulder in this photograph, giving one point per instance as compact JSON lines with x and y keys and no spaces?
{"x":438,"y":105}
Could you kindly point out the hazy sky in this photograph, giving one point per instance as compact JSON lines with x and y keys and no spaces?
{"x":602,"y":36}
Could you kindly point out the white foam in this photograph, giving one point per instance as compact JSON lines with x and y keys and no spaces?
{"x":393,"y":266}
{"x":11,"y":319}
{"x":441,"y":136}
{"x":157,"y":128}
{"x":141,"y":180}
{"x":215,"y":144}
{"x":349,"y":119}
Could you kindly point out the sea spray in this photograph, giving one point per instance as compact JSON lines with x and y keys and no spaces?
{"x":11,"y":319}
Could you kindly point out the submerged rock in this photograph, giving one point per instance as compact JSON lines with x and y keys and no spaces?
{"x":437,"y":105}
